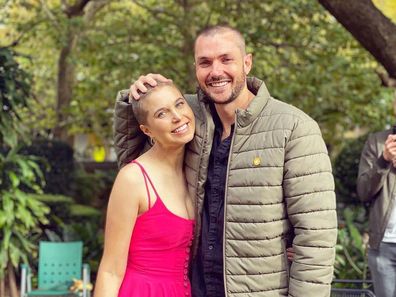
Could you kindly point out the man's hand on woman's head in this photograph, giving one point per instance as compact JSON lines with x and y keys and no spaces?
{"x":139,"y":85}
{"x":390,"y":148}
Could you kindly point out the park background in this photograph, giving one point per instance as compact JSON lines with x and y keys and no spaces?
{"x":63,"y":61}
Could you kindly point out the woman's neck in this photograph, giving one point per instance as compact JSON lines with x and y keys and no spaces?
{"x":171,"y":158}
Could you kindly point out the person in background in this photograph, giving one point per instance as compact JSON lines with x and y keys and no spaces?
{"x":376,"y":185}
{"x":149,"y":225}
{"x":259,"y":174}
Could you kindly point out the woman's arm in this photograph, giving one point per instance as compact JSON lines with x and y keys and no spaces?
{"x":122,"y":212}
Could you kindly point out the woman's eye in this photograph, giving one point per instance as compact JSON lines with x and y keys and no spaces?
{"x":161,"y":115}
{"x":180,"y":104}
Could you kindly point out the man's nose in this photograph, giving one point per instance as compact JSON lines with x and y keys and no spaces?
{"x":217,"y":68}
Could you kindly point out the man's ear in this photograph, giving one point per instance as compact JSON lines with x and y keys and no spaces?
{"x":145,"y":130}
{"x":247,"y":63}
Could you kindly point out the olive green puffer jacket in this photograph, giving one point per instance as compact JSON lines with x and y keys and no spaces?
{"x":279,"y":192}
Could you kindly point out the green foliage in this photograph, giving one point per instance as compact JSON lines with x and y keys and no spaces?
{"x":63,"y":175}
{"x":310,"y":61}
{"x":78,"y":215}
{"x":56,"y":161}
{"x":20,"y":176}
{"x":69,"y":221}
{"x":303,"y":54}
{"x":346,"y":167}
{"x":87,"y":187}
{"x":81,"y":210}
{"x":305,"y":57}
{"x":14,"y":91}
{"x":351,"y":249}
{"x":20,"y":212}
{"x":75,"y":197}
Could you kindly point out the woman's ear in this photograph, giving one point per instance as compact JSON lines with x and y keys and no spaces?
{"x":145,"y":130}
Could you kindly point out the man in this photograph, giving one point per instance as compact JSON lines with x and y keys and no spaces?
{"x":260,"y":176}
{"x":376,"y":185}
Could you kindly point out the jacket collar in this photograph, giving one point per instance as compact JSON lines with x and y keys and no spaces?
{"x":247,"y":116}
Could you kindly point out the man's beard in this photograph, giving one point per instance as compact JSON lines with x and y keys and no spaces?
{"x":240,"y":83}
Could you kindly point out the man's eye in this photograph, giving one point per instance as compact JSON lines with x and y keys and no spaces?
{"x":226,"y":60}
{"x":204,"y":64}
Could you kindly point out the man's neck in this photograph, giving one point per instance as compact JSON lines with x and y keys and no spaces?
{"x":226,"y":112}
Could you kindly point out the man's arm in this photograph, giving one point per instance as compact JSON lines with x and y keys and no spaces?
{"x":309,"y":193}
{"x":373,"y":170}
{"x":129,"y":140}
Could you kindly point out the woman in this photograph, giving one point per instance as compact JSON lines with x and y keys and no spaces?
{"x":149,"y":225}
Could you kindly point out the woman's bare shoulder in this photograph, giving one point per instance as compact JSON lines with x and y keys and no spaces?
{"x":130,"y":180}
{"x":130,"y":174}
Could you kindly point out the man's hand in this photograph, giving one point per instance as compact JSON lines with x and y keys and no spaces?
{"x":389,"y":152}
{"x":290,"y":254}
{"x":139,"y":85}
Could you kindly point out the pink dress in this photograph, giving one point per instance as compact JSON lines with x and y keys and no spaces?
{"x":159,"y":252}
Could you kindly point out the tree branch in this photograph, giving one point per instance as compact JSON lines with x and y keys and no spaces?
{"x":375,"y":32}
{"x":76,"y":9}
{"x":386,"y":80}
{"x":93,"y":8}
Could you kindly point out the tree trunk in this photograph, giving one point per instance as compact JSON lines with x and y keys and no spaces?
{"x":375,"y":32}
{"x":2,"y":287}
{"x":65,"y":88}
{"x":87,"y":9}
{"x":12,"y":281}
{"x":188,"y":49}
{"x":188,"y":33}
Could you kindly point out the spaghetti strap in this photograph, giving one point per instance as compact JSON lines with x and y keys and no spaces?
{"x":145,"y":181}
{"x":146,"y":177}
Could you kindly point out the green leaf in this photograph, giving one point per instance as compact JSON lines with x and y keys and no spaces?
{"x":357,"y":238}
{"x":15,"y":255}
{"x":14,"y":179}
{"x":3,"y":261}
{"x":79,"y":210}
{"x":6,"y":239}
{"x":52,"y":198}
{"x":2,"y":219}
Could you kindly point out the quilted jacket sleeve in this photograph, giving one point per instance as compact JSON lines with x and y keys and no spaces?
{"x":129,"y":141}
{"x":309,"y":192}
{"x":373,"y":170}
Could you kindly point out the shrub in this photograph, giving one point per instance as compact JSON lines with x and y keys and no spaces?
{"x":346,"y":168}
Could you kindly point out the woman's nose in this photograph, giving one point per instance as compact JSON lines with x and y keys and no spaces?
{"x":176,"y":116}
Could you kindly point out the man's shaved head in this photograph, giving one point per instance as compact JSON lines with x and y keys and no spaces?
{"x":222,"y":29}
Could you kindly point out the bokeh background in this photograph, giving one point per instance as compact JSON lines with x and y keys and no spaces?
{"x":63,"y":61}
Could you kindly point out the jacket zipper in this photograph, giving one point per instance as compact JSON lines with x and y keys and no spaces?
{"x":388,"y":214}
{"x":204,"y":142}
{"x":225,"y":204}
